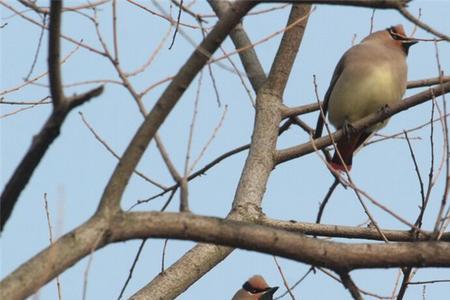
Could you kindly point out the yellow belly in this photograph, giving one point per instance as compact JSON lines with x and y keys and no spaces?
{"x":354,"y":97}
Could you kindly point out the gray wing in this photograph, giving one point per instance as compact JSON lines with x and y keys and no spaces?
{"x":320,"y":120}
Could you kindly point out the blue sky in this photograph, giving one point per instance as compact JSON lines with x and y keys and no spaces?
{"x":76,"y":168}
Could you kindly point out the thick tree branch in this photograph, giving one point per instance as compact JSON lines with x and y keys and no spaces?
{"x":95,"y":234}
{"x":252,"y":184}
{"x":381,"y":4}
{"x":245,"y":235}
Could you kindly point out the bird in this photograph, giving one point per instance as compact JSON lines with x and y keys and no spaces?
{"x":255,"y":288}
{"x":369,"y":77}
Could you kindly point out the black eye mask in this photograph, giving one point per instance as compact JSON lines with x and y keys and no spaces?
{"x":249,"y":288}
{"x":406,"y":42}
{"x":395,"y":35}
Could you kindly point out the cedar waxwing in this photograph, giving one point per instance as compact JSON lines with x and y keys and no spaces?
{"x":255,"y":288}
{"x":368,"y":77}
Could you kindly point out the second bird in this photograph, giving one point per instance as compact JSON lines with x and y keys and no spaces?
{"x":368,"y":77}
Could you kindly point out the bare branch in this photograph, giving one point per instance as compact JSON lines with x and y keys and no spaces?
{"x":110,"y":150}
{"x":286,"y":284}
{"x":381,"y":4}
{"x":249,"y":59}
{"x":427,"y":82}
{"x":349,"y":232}
{"x":259,"y":164}
{"x":403,"y":11}
{"x":54,"y":70}
{"x":51,"y":129}
{"x":245,"y":235}
{"x":81,"y":44}
{"x":350,"y":285}
{"x":306,"y":148}
{"x":165,"y":104}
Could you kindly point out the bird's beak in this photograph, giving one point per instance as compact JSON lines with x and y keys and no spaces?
{"x":410,"y":42}
{"x":406,"y":43}
{"x":269,"y":294}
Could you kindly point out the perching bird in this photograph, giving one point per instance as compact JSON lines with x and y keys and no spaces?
{"x":368,"y":77}
{"x":255,"y":288}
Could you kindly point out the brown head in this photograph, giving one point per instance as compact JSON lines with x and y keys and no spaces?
{"x":395,"y":36}
{"x":256,"y":288}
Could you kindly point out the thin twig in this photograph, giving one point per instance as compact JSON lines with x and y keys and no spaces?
{"x":286,"y":284}
{"x":295,"y":284}
{"x":421,"y":24}
{"x":330,"y":274}
{"x":38,"y":48}
{"x":208,"y":143}
{"x":42,"y":101}
{"x":265,"y":39}
{"x":211,"y":74}
{"x":372,"y":17}
{"x":416,"y":168}
{"x":177,"y":24}
{"x":39,"y":102}
{"x":80,"y":44}
{"x":431,"y":281}
{"x":325,"y":200}
{"x":131,"y":271}
{"x":50,"y":238}
{"x":163,"y":257}
{"x":110,"y":150}
{"x":440,"y":220}
{"x":415,"y":25}
{"x":89,"y":264}
{"x":152,"y":55}
{"x":169,"y":19}
{"x":115,"y":37}
{"x":197,"y":17}
{"x":192,"y":126}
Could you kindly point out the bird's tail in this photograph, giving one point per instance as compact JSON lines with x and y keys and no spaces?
{"x":346,"y":147}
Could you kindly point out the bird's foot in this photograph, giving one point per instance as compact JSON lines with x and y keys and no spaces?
{"x":348,"y":129}
{"x":385,"y":109}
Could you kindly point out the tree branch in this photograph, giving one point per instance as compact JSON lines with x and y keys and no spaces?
{"x":381,"y":4}
{"x":404,"y":12}
{"x":121,"y":175}
{"x":307,"y":108}
{"x":252,"y":184}
{"x":52,"y":261}
{"x":34,"y":271}
{"x":245,"y":235}
{"x":350,"y":232}
{"x":51,"y":129}
{"x":306,"y":148}
{"x":350,"y":285}
{"x":249,"y":59}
